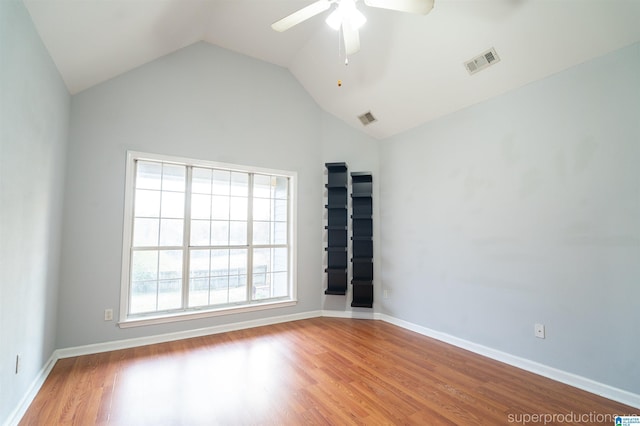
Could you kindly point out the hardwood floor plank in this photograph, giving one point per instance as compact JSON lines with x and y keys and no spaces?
{"x":317,"y":371}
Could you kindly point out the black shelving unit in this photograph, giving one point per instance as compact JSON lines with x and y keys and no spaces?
{"x":336,"y":228}
{"x":362,"y":239}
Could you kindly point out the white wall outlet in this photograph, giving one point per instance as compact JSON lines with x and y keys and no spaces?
{"x":385,"y":293}
{"x":108,"y":314}
{"x":539,"y":331}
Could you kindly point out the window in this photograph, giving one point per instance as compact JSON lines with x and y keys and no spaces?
{"x":203,"y":238}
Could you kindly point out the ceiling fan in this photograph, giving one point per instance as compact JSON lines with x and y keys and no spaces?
{"x":348,"y":18}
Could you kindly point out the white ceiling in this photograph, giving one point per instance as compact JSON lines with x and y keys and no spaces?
{"x":408,"y":71}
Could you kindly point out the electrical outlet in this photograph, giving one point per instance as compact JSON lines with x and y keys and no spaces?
{"x":539,"y":331}
{"x":17,"y":364}
{"x":385,"y":293}
{"x":108,"y":314}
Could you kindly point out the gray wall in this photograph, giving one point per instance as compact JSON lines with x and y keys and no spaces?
{"x":200,"y":102}
{"x":525,"y":209}
{"x":34,"y":114}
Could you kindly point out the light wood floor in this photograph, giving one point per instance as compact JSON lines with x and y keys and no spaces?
{"x":317,"y":371}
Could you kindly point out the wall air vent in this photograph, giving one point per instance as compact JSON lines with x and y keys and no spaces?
{"x":366,"y":118}
{"x":481,"y":62}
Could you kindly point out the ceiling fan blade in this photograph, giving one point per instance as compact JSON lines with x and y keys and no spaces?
{"x":301,"y":15}
{"x":351,"y":38}
{"x":421,"y":7}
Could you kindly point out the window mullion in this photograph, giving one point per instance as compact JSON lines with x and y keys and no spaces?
{"x":186,"y":238}
{"x":250,"y":240}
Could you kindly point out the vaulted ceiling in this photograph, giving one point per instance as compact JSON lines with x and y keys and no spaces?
{"x":410,"y":68}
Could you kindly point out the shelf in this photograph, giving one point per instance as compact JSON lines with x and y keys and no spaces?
{"x":362,"y":237}
{"x":337,"y":228}
{"x":362,"y":176}
{"x":362,"y":296}
{"x":361,"y":216}
{"x":336,"y":167}
{"x":363,"y":271}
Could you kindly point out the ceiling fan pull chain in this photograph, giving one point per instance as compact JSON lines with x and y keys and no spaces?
{"x":340,"y":43}
{"x":340,"y":37}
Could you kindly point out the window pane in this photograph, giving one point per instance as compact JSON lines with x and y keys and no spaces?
{"x":219,"y":290}
{"x":171,"y":232}
{"x":219,"y":262}
{"x":220,"y":207}
{"x":221,"y":182}
{"x":279,"y":259}
{"x":199,"y":263}
{"x":238,"y":208}
{"x":262,"y":186}
{"x":170,"y":264}
{"x":237,"y":288}
{"x":148,"y":175}
{"x":169,"y":294}
{"x":201,"y":181}
{"x":280,"y":210}
{"x":147,"y":203}
{"x":261,"y":259}
{"x":280,"y":233}
{"x":260,"y":232}
{"x":261,"y":209}
{"x":198,"y":292}
{"x":279,"y":284}
{"x":219,"y":233}
{"x":238,"y":233}
{"x":238,"y":262}
{"x":144,"y":265}
{"x":239,"y":184}
{"x":200,"y":206}
{"x":173,"y":177}
{"x":173,"y":204}
{"x":145,"y":232}
{"x":261,"y":286}
{"x":143,"y":296}
{"x":200,"y":230}
{"x":282,"y":188}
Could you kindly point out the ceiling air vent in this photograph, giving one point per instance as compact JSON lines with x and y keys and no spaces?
{"x":481,"y":62}
{"x":366,"y":118}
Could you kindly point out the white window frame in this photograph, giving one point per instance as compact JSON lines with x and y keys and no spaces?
{"x":126,"y":321}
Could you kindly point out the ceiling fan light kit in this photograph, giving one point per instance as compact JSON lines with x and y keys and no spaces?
{"x":346,"y":13}
{"x":347,"y":17}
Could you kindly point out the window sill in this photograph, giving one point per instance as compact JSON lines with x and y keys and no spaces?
{"x":193,"y":315}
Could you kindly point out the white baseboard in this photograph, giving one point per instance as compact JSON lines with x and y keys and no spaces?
{"x":606,"y":391}
{"x":170,"y":337}
{"x":351,"y":314}
{"x":16,"y":415}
